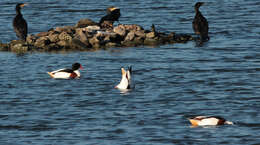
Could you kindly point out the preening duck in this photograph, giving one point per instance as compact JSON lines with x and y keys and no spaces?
{"x":125,"y":82}
{"x":19,"y":23}
{"x":113,"y":14}
{"x":208,"y":120}
{"x":67,"y":73}
{"x":200,"y":23}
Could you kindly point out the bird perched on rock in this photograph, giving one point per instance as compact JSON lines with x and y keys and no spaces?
{"x":113,"y":14}
{"x":200,"y":23}
{"x":19,"y":23}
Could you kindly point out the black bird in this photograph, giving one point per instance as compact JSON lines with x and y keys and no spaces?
{"x":200,"y":23}
{"x":19,"y":23}
{"x":113,"y":14}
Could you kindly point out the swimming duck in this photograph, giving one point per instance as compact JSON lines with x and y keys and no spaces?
{"x":67,"y":73}
{"x":125,"y":82}
{"x":113,"y":14}
{"x":200,"y":23}
{"x":19,"y":23}
{"x":208,"y":120}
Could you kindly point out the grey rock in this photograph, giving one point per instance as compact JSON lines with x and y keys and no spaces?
{"x":19,"y":46}
{"x":111,"y":44}
{"x":62,"y":43}
{"x":133,"y":27}
{"x":77,"y":44}
{"x":65,"y":36}
{"x":54,"y":37}
{"x":150,"y":35}
{"x":95,"y":42}
{"x":140,"y":33}
{"x":42,"y":42}
{"x":41,"y":34}
{"x":130,"y":36}
{"x":67,"y":29}
{"x":120,"y":30}
{"x":150,"y":42}
{"x":31,"y":39}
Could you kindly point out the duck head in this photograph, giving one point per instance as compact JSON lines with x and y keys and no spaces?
{"x":76,"y":66}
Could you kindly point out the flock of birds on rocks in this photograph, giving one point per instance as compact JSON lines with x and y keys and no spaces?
{"x":200,"y":27}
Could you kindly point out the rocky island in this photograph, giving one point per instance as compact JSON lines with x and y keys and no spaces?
{"x":86,"y":35}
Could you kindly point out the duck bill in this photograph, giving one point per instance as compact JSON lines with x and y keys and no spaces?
{"x":112,"y":9}
{"x":25,"y":4}
{"x":193,"y":122}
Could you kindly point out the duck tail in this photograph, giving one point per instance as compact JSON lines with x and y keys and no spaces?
{"x":229,"y":122}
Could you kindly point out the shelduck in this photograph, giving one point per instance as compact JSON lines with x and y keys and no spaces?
{"x":208,"y":120}
{"x":67,"y":73}
{"x":125,"y":82}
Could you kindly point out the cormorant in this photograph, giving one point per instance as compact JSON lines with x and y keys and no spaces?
{"x":19,"y":23}
{"x":113,"y":14}
{"x":200,"y":23}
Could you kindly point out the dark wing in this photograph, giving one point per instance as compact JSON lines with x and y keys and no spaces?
{"x":218,"y":117}
{"x":106,"y":22}
{"x":200,"y":24}
{"x":106,"y":18}
{"x":65,"y":70}
{"x":20,"y":27}
{"x":115,"y":15}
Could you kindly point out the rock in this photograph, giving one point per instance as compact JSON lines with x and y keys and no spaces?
{"x":59,"y":29}
{"x":94,"y":42}
{"x":31,"y":39}
{"x":4,"y":47}
{"x":150,"y":42}
{"x":182,"y":38}
{"x":41,"y":34}
{"x":150,"y":35}
{"x":42,"y":42}
{"x":140,"y":33}
{"x":62,"y":43}
{"x":107,"y":25}
{"x":120,"y":30}
{"x":65,"y":36}
{"x":133,"y":27}
{"x":84,"y":23}
{"x":139,"y":40}
{"x":54,"y":37}
{"x":52,"y":46}
{"x":19,"y":46}
{"x":78,"y":45}
{"x":130,"y":36}
{"x":92,"y":29}
{"x":67,"y":29}
{"x":82,"y":36}
{"x":86,"y":35}
{"x":111,"y":44}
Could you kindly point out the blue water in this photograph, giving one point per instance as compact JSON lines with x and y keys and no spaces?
{"x":173,"y":82}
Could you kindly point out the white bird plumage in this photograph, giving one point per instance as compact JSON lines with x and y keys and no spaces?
{"x":67,"y":73}
{"x":125,"y":82}
{"x":208,"y":120}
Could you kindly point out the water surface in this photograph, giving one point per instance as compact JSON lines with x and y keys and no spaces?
{"x":173,"y":82}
